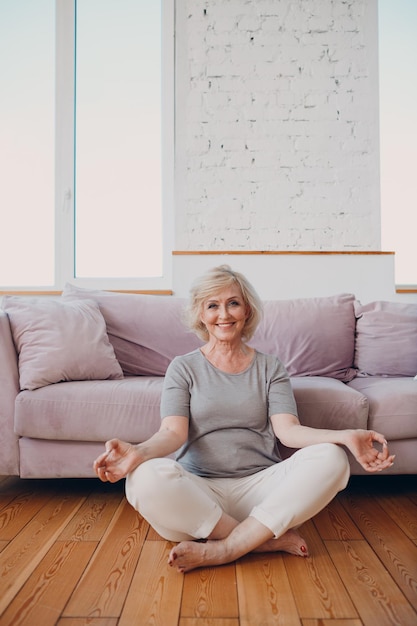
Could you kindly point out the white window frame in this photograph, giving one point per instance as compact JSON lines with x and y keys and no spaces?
{"x":65,"y":156}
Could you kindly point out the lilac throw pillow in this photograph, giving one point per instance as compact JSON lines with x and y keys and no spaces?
{"x":60,"y":341}
{"x":386,"y":339}
{"x":311,"y":336}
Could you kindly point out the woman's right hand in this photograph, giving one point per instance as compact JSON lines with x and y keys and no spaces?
{"x":117,"y":461}
{"x":121,"y":458}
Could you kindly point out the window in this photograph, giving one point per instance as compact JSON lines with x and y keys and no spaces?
{"x":398,"y":130}
{"x":88,"y":96}
{"x":27,"y":142}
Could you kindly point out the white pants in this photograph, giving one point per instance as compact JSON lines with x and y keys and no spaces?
{"x":180,"y":505}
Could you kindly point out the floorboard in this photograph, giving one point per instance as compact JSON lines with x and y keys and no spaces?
{"x":264,"y":591}
{"x":316,"y":585}
{"x":388,"y":541}
{"x":155,"y":594}
{"x":106,"y":581}
{"x":377,"y":599}
{"x":74,"y":553}
{"x":210,"y":592}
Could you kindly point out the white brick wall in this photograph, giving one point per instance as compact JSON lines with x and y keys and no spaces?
{"x":277,"y":125}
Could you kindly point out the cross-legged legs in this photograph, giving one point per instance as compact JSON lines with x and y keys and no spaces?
{"x":237,"y":515}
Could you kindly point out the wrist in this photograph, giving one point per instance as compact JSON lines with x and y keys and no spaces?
{"x":139,"y":456}
{"x":345,"y":436}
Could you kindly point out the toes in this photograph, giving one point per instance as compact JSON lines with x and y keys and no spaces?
{"x":172,"y":557}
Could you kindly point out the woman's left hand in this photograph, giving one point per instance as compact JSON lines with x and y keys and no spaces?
{"x":362,"y":445}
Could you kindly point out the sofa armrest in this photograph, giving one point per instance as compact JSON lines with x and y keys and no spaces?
{"x":9,"y":388}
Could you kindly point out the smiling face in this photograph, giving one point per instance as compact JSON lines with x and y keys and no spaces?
{"x":224,"y":314}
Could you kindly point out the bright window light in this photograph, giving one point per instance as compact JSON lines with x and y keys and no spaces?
{"x":27,"y":142}
{"x":118,"y":219}
{"x":398,"y":124}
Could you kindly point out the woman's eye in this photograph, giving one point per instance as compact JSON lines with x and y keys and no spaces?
{"x":212,"y":306}
{"x":234,"y":303}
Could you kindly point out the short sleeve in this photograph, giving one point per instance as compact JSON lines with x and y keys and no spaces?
{"x":176,"y":391}
{"x":280,"y":394}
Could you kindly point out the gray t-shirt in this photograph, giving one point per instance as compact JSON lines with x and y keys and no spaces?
{"x":230,"y":433}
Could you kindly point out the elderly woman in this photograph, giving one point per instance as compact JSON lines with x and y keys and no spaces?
{"x":223,"y":408}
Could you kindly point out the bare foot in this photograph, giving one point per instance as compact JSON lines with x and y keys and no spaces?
{"x":189,"y":555}
{"x":290,"y":542}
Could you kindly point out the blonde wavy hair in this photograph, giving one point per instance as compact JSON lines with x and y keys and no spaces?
{"x":211,"y":283}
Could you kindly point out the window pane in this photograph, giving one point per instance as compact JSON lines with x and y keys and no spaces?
{"x":118,"y":138}
{"x":27,"y":96}
{"x":398,"y":123}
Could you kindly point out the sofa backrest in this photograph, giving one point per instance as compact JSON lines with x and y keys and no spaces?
{"x":146,"y":331}
{"x":312,"y":336}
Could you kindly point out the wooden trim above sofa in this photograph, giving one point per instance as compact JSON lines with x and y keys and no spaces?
{"x":154,"y":292}
{"x":289,"y":252}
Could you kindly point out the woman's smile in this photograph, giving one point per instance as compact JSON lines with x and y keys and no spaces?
{"x":225,"y":311}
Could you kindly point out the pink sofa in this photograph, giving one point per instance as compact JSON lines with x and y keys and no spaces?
{"x":89,"y":365}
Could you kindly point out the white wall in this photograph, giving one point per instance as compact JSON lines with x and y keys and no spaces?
{"x":369,"y":277}
{"x":277,"y":125}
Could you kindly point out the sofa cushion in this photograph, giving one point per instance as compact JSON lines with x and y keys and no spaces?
{"x":91,"y":410}
{"x":40,"y":458}
{"x":59,"y":340}
{"x":386,"y":339}
{"x":392,"y":405}
{"x":311,"y":336}
{"x":324,"y":402}
{"x":146,"y":331}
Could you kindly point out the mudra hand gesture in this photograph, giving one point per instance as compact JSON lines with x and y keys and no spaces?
{"x":116,"y":462}
{"x":362,"y":445}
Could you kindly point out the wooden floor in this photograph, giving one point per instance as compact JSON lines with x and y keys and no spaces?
{"x":73,"y":552}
